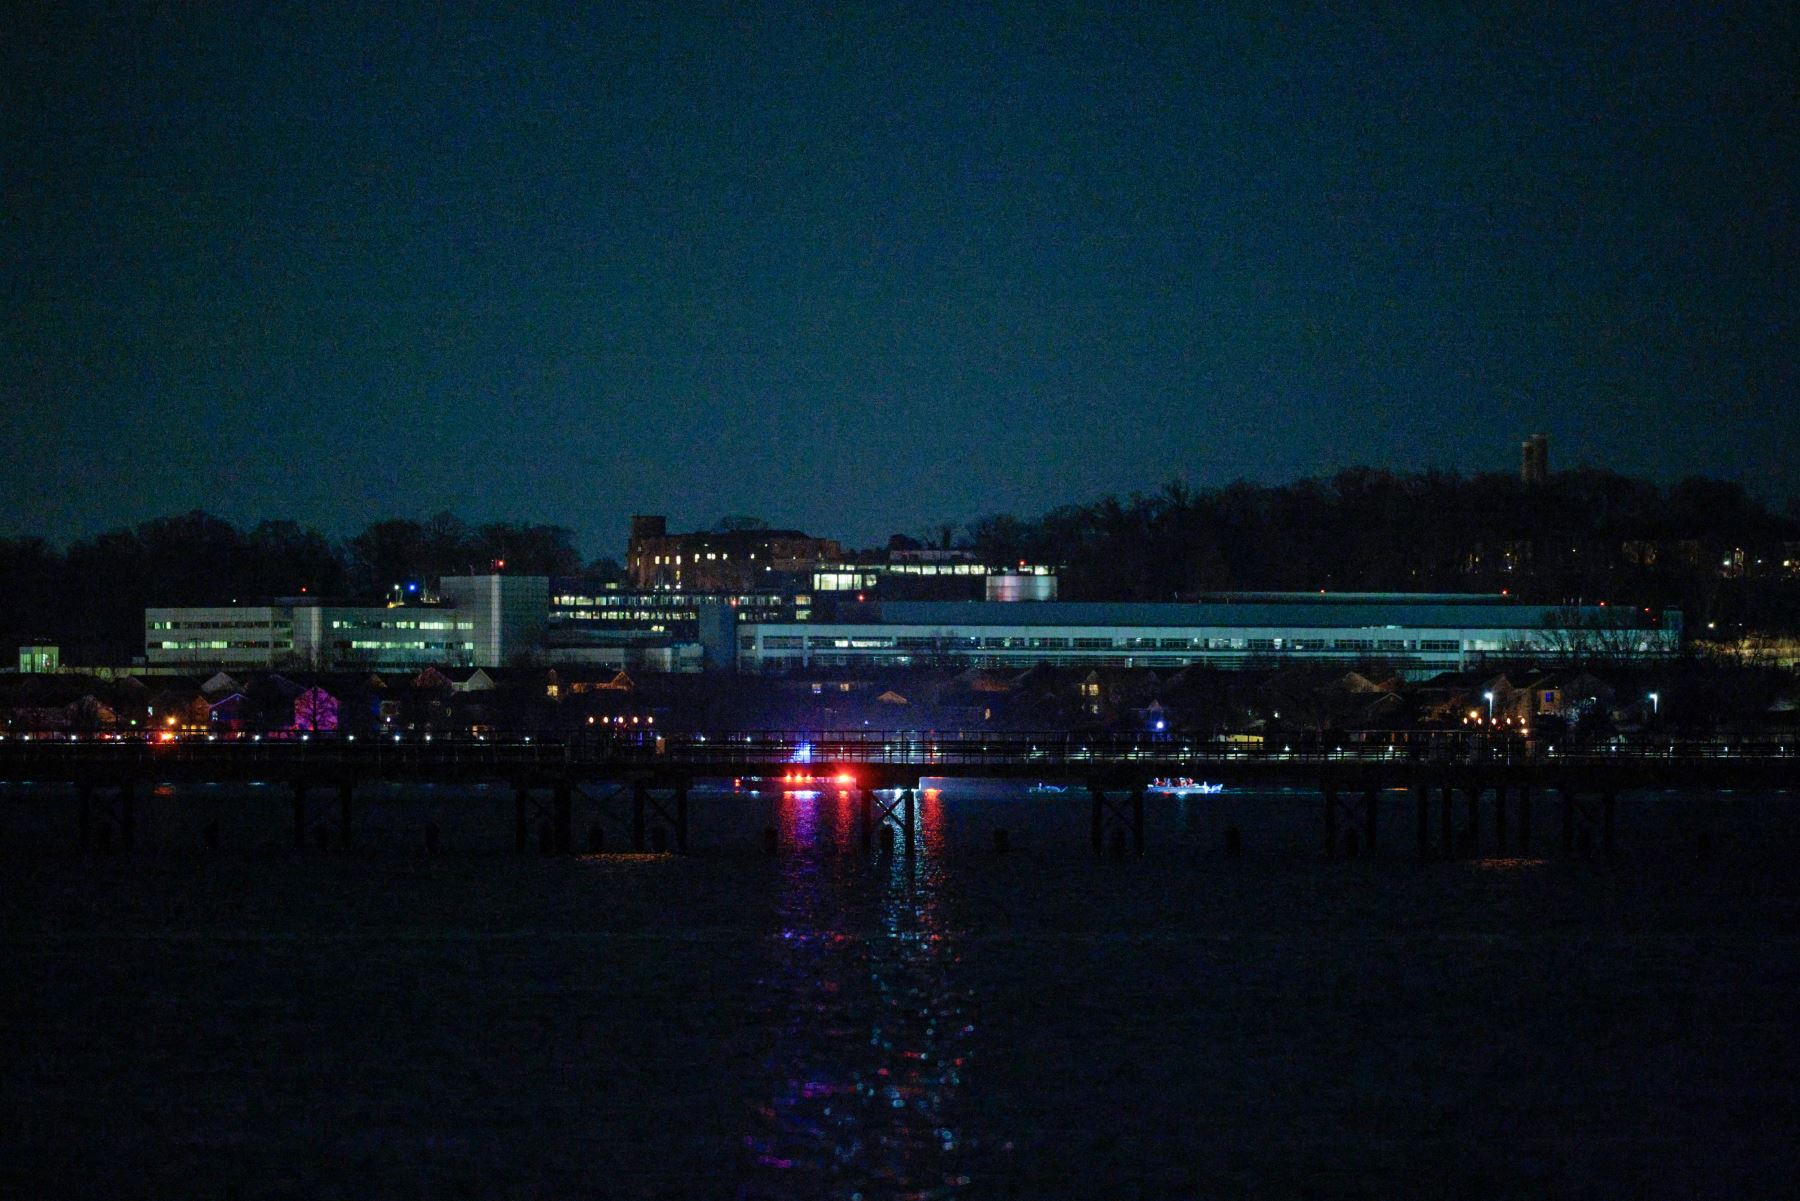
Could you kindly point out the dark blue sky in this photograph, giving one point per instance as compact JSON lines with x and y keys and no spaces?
{"x":863,"y":271}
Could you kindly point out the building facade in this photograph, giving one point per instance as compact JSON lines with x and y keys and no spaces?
{"x":307,"y":633}
{"x":719,"y":561}
{"x":508,"y":614}
{"x":1418,"y":636}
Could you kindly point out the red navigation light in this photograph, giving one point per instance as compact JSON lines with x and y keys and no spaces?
{"x":845,"y":777}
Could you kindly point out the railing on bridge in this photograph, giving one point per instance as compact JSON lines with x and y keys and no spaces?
{"x":949,"y":749}
{"x":937,"y":751}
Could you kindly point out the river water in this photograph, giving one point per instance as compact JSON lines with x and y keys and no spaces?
{"x":826,"y":1021}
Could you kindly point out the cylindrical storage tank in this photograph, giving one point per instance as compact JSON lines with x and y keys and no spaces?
{"x":1020,"y":586}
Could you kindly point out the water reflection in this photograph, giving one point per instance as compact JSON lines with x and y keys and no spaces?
{"x":871,"y":1031}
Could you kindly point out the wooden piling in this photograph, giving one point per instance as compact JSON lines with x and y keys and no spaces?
{"x":1422,"y":803}
{"x":521,"y":828}
{"x":562,"y":807}
{"x":1331,"y":816}
{"x":1371,"y":811}
{"x":1500,"y":819}
{"x":1568,"y":821}
{"x":1447,"y":832}
{"x":911,"y":817}
{"x":1137,"y":820}
{"x":868,"y":817}
{"x":346,"y":790}
{"x":299,"y":815}
{"x":640,"y":799}
{"x":1525,"y":819}
{"x":1475,"y":791}
{"x":681,"y":817}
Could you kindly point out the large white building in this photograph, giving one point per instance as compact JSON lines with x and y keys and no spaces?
{"x":303,"y":633}
{"x":1420,"y":634}
{"x":509,"y":614}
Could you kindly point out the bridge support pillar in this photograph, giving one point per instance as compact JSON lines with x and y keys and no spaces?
{"x":1524,"y":819}
{"x":100,"y":819}
{"x":1363,"y":814}
{"x":563,"y":816}
{"x":1126,"y":812}
{"x":1447,"y":822}
{"x":640,"y":801}
{"x":1422,"y":803}
{"x":681,"y":817}
{"x":1474,"y":844}
{"x":902,"y":811}
{"x":1608,"y":812}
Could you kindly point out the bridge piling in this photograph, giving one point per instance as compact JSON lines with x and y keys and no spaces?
{"x":346,"y":790}
{"x":1371,"y":812}
{"x":867,"y":806}
{"x":1331,"y":823}
{"x":1568,"y":821}
{"x":1500,"y":819}
{"x":640,"y":799}
{"x":1422,"y":805}
{"x":1474,"y":833}
{"x":563,"y":815}
{"x":299,"y":815}
{"x":1608,"y":812}
{"x":521,"y":831}
{"x":681,"y":817}
{"x":1524,"y":819}
{"x":1447,"y":822}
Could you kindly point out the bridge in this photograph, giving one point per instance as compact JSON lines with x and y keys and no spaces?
{"x":654,"y":772}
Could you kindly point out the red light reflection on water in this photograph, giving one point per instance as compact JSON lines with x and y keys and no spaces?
{"x":871,"y":1030}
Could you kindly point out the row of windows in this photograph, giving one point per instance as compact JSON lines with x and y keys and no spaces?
{"x":238,"y":624}
{"x":669,"y":600}
{"x":376,"y":623}
{"x":202,"y":644}
{"x":780,"y":663}
{"x":949,"y":642}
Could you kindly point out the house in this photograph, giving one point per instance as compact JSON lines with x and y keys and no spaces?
{"x":315,"y":710}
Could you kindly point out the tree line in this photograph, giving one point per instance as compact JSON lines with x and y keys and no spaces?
{"x":91,"y":597}
{"x":1704,"y":546}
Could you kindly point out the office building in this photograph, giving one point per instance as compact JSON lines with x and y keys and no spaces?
{"x":742,"y":560}
{"x":1417,"y":634}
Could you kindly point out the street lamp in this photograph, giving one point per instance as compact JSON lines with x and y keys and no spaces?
{"x":1655,"y":703}
{"x":1490,"y":701}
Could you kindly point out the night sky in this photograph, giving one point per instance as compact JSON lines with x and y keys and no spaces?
{"x":863,"y":271}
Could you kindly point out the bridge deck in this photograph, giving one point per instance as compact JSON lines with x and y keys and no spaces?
{"x":884,"y":760}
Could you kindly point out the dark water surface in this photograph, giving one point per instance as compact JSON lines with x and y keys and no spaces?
{"x":828,"y":1022}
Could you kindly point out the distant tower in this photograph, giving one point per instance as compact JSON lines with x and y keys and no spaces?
{"x":1534,"y":459}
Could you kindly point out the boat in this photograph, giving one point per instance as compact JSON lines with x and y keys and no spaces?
{"x":1185,"y":786}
